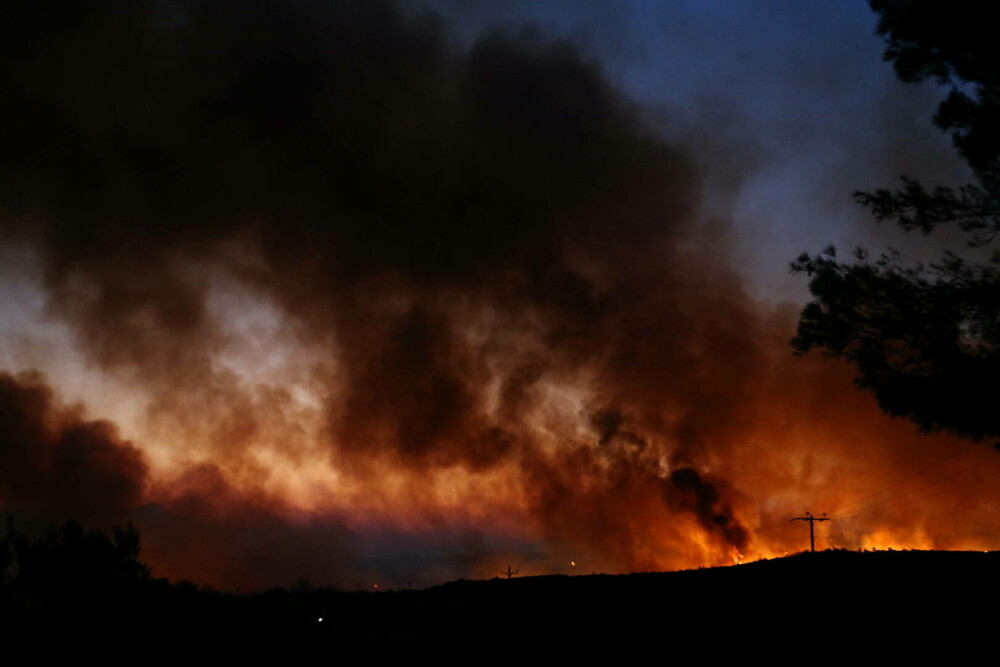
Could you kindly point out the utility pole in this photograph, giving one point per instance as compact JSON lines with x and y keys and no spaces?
{"x":812,"y":520}
{"x":510,"y":573}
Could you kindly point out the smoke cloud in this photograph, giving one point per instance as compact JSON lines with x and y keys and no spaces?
{"x":371,"y":282}
{"x":52,"y":460}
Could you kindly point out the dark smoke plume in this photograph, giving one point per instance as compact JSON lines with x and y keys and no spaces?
{"x":493,"y":283}
{"x":689,"y":491}
{"x":57,"y":464}
{"x":387,"y":192}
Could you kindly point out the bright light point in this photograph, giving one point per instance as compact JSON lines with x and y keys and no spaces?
{"x":573,"y":563}
{"x":320,"y":619}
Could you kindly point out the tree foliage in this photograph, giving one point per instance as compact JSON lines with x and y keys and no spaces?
{"x":926,"y":339}
{"x":70,"y":563}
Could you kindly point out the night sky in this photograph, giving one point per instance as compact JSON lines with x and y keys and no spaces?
{"x":373,"y":291}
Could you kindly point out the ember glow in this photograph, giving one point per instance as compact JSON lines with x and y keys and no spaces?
{"x":313,"y":290}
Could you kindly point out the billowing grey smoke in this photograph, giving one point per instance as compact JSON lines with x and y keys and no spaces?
{"x":464,"y":240}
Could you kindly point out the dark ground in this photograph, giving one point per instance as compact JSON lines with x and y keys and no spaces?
{"x":814,"y":607}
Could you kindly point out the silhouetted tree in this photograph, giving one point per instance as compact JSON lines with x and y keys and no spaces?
{"x":73,"y":564}
{"x":926,"y":339}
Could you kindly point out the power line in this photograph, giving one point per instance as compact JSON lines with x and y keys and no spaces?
{"x":872,"y":509}
{"x":932,"y":518}
{"x":936,"y":464}
{"x":884,"y":506}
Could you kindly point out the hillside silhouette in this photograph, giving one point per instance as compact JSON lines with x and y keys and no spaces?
{"x":80,"y":585}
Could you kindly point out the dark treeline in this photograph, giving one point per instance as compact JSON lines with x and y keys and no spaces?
{"x":77,"y":584}
{"x":90,"y":592}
